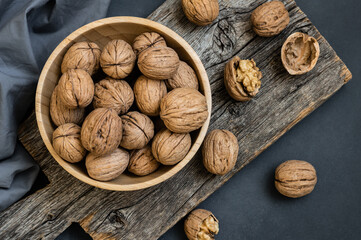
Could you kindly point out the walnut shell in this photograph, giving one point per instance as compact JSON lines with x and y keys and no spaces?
{"x":61,"y":114}
{"x":185,"y":77}
{"x":114,"y":94}
{"x":66,"y":143}
{"x":101,"y":132}
{"x":242,"y":79}
{"x":295,"y":178}
{"x":148,"y":94}
{"x":142,"y":162}
{"x":201,"y":224}
{"x":300,"y":53}
{"x":270,"y":19}
{"x":201,"y":12}
{"x":147,"y":40}
{"x":138,"y":130}
{"x":220,"y":151}
{"x":158,"y":63}
{"x":117,"y":59}
{"x":169,"y":148}
{"x":107,"y":167}
{"x":76,"y":88}
{"x":82,"y":55}
{"x":183,"y":110}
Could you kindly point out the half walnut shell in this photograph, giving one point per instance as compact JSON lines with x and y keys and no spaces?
{"x":201,"y":224}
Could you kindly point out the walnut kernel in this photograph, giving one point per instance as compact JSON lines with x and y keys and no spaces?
{"x":201,"y":224}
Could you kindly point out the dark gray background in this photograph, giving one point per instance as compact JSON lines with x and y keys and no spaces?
{"x":248,"y":206}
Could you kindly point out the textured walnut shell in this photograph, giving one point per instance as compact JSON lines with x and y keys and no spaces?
{"x":220,"y":151}
{"x":201,"y":224}
{"x":183,"y":110}
{"x":114,"y":94}
{"x":201,"y":12}
{"x":61,"y":114}
{"x":147,"y":40}
{"x":76,"y":88}
{"x":158,"y":63}
{"x":117,"y":59}
{"x":101,"y":132}
{"x":66,"y":143}
{"x":138,"y":130}
{"x":185,"y":77}
{"x":107,"y":167}
{"x":295,"y":178}
{"x":242,"y":79}
{"x":300,"y":53}
{"x":142,"y":162}
{"x":82,"y":55}
{"x":169,"y":148}
{"x":270,"y":19}
{"x":148,"y":94}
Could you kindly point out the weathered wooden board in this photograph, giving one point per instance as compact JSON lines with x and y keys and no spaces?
{"x":283,"y":101}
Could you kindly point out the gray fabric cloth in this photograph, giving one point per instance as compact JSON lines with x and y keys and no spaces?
{"x":29,"y":32}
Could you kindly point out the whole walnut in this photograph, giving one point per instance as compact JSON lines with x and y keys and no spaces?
{"x":295,"y":178}
{"x":184,"y":78}
{"x":270,"y":19}
{"x":201,"y":224}
{"x":169,"y":148}
{"x":300,"y":53}
{"x":66,"y":143}
{"x":138,"y":130}
{"x":220,"y":151}
{"x":117,"y":59}
{"x":107,"y":167}
{"x":76,"y":88}
{"x":61,"y":114}
{"x":201,"y":12}
{"x":142,"y":162}
{"x":82,"y":55}
{"x":114,"y":94}
{"x":242,"y":79}
{"x":148,"y":94}
{"x":101,"y":132}
{"x":147,"y":40}
{"x":158,"y":63}
{"x":183,"y":110}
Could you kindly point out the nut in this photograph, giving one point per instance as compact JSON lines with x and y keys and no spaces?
{"x":201,"y":12}
{"x":147,"y":40}
{"x":242,"y":79}
{"x":114,"y":94}
{"x":142,"y":162}
{"x":300,"y":53}
{"x":61,"y":114}
{"x":295,"y":178}
{"x":220,"y":151}
{"x":66,"y":143}
{"x":183,"y":110}
{"x":201,"y":224}
{"x":107,"y":167}
{"x":117,"y":59}
{"x":185,"y":77}
{"x":76,"y":88}
{"x":101,"y":132}
{"x":82,"y":55}
{"x":148,"y":94}
{"x":270,"y":19}
{"x":138,"y":130}
{"x":158,"y":63}
{"x":169,"y":148}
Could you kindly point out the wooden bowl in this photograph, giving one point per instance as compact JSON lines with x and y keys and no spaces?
{"x":100,"y":32}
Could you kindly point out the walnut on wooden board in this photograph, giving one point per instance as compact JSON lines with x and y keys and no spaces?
{"x":142,"y":162}
{"x":201,"y":224}
{"x":147,"y":40}
{"x":201,"y":12}
{"x":185,"y":77}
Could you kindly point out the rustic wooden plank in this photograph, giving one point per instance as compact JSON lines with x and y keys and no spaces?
{"x":283,"y":101}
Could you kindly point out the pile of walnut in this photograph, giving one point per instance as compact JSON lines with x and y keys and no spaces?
{"x":116,"y":135}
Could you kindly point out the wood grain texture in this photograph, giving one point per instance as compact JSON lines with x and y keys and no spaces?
{"x":146,"y":214}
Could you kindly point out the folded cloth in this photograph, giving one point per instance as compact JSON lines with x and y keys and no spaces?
{"x":29,"y":32}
